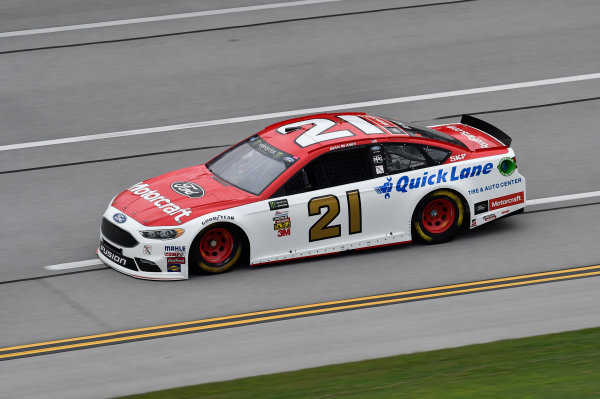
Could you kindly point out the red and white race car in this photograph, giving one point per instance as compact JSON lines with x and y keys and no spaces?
{"x":310,"y":186}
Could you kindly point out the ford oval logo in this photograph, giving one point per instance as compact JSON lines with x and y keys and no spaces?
{"x":188,"y":189}
{"x":119,"y":218}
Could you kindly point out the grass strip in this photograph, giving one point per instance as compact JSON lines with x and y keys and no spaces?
{"x":565,"y":365}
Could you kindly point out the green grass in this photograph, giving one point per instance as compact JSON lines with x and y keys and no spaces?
{"x":565,"y":365}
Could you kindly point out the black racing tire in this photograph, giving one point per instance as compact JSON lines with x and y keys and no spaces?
{"x":438,"y":217}
{"x":216,"y":249}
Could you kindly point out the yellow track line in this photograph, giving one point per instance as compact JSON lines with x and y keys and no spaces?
{"x":304,"y":313}
{"x":300,"y":307}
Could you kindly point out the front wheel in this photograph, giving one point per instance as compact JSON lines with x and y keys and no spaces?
{"x":438,"y":217}
{"x":216,"y":249}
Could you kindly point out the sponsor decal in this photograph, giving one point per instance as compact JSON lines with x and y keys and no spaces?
{"x":377,"y":158}
{"x":507,"y":166}
{"x":174,"y":267}
{"x":289,"y":159}
{"x":218,"y":217}
{"x":174,"y":263}
{"x":278,"y":204}
{"x":507,"y":200}
{"x":469,"y":136}
{"x":386,"y":188}
{"x":180,"y":248}
{"x":267,"y":149}
{"x":458,"y":157}
{"x":147,"y":250}
{"x":337,"y":147}
{"x":171,"y":254}
{"x":174,"y":251}
{"x":489,"y":218}
{"x":282,"y":223}
{"x":119,"y":218}
{"x":163,"y":203}
{"x":494,"y":186}
{"x":474,"y":223}
{"x":481,"y":207}
{"x":188,"y":189}
{"x":505,"y":212}
{"x":379,"y":169}
{"x":283,"y":232}
{"x":376,"y":148}
{"x":404,"y":184}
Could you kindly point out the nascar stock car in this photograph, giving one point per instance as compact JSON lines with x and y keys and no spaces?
{"x":311,"y":186}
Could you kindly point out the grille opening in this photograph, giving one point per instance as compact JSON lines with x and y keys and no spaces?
{"x":117,"y":234}
{"x":147,"y":266}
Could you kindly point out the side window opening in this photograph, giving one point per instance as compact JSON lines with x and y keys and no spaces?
{"x":331,"y":169}
{"x":438,"y":155}
{"x":403,"y":157}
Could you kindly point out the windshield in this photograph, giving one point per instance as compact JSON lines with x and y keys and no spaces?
{"x":251,"y":165}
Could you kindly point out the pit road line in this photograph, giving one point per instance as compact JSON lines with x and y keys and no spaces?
{"x":539,"y":201}
{"x":170,"y":17}
{"x":249,"y":118}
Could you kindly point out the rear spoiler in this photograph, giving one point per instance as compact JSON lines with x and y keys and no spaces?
{"x":486,"y":128}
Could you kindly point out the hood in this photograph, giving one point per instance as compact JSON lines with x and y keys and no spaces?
{"x":473,"y":138}
{"x":178,"y":197}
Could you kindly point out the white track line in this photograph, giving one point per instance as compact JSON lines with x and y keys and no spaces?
{"x":539,"y":201}
{"x":215,"y":122}
{"x":197,"y":14}
{"x":562,"y":198}
{"x":74,"y":265}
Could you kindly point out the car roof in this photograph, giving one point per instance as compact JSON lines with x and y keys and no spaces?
{"x":358,"y":127}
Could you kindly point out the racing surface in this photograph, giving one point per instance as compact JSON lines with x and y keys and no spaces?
{"x":259,"y":62}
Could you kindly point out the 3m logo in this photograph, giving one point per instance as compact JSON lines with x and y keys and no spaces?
{"x":283,"y":232}
{"x":507,"y":200}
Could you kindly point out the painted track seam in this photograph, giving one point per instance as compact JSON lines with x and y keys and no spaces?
{"x":271,"y":315}
{"x":159,"y":18}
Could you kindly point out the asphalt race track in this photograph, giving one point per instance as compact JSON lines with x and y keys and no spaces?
{"x":250,"y":64}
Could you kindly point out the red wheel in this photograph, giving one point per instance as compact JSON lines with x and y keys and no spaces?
{"x":216,"y":245}
{"x":216,"y":249}
{"x":438,"y":217}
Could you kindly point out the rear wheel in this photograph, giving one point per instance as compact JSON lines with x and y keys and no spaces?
{"x":438,"y":217}
{"x":216,"y":249}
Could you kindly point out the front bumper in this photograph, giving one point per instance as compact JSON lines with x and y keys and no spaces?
{"x":141,"y":258}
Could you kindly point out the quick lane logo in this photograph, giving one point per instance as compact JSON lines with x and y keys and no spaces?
{"x":404,"y":183}
{"x":160,"y":201}
{"x":386,"y":188}
{"x":507,"y":200}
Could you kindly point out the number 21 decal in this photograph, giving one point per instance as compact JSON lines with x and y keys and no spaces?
{"x":321,"y":230}
{"x":318,"y":132}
